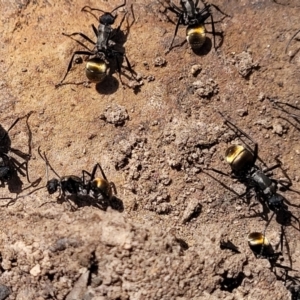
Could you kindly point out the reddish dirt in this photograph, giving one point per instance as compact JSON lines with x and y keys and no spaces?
{"x":161,"y":237}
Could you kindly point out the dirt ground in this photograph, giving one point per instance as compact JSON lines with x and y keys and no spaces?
{"x":176,"y":229}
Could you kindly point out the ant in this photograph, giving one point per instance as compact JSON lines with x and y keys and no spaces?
{"x":9,"y":166}
{"x":97,"y":66}
{"x":95,"y":188}
{"x":193,"y":17}
{"x":242,"y":161}
{"x":70,"y":185}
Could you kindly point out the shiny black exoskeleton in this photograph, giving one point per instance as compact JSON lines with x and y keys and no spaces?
{"x":243,"y":165}
{"x":67,"y":185}
{"x":244,"y":168}
{"x":193,"y":17}
{"x":97,"y":64}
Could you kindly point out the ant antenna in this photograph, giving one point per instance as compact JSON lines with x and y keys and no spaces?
{"x":45,"y":159}
{"x":98,"y":9}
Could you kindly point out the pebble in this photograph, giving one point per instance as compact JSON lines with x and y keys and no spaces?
{"x":36,"y":270}
{"x":4,"y":291}
{"x":195,"y":70}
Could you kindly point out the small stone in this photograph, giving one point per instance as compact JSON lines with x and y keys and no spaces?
{"x":261,"y":97}
{"x":146,"y":65}
{"x":160,"y":61}
{"x":115,"y":114}
{"x":245,"y":64}
{"x":4,"y":291}
{"x":36,"y":270}
{"x":277,"y":128}
{"x":6,"y":264}
{"x":242,"y":112}
{"x":192,"y":210}
{"x":195,"y":70}
{"x":150,"y":78}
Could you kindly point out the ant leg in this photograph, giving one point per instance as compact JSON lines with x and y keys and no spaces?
{"x":222,"y":184}
{"x":119,"y":69}
{"x":95,"y":30}
{"x":70,"y":63}
{"x":277,"y":106}
{"x":176,"y":29}
{"x":129,"y":66}
{"x":219,"y":172}
{"x":175,"y":9}
{"x":92,"y":175}
{"x":227,"y":121}
{"x":236,"y":128}
{"x":80,"y":34}
{"x":271,"y":168}
{"x":102,"y":172}
{"x":19,"y":167}
{"x":85,"y":173}
{"x":283,"y":235}
{"x":213,"y":29}
{"x":264,"y":234}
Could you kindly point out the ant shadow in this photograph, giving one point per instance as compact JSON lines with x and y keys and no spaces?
{"x":11,"y":168}
{"x":108,"y":86}
{"x":284,"y":106}
{"x":86,"y":200}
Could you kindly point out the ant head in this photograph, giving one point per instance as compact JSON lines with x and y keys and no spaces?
{"x":52,"y":186}
{"x":239,"y":158}
{"x":107,"y":19}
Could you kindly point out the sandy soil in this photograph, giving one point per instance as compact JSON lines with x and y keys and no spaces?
{"x":176,"y":229}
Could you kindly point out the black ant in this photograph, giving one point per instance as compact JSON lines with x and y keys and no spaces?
{"x":94,"y":189}
{"x":243,"y":165}
{"x":193,"y":17}
{"x":97,"y":65}
{"x":9,"y":166}
{"x":67,"y":186}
